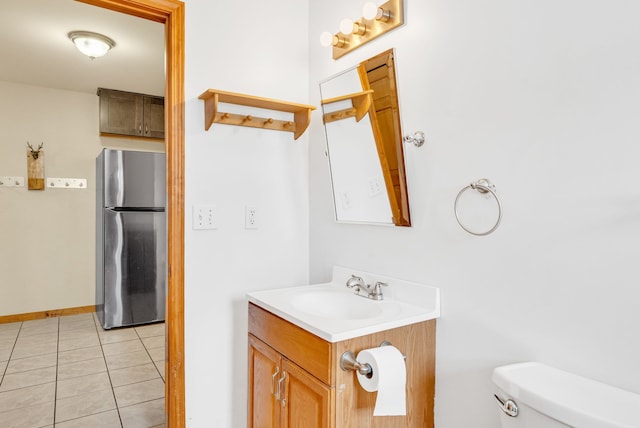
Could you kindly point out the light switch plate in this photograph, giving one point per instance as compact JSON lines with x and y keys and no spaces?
{"x":11,"y":181}
{"x":67,"y":183}
{"x":204,"y":217}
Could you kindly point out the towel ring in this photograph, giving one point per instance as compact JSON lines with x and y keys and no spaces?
{"x":483,"y":186}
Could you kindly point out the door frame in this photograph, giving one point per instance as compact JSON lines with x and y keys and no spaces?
{"x":171,"y":14}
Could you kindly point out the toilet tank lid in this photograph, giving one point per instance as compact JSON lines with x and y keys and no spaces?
{"x":568,"y":398}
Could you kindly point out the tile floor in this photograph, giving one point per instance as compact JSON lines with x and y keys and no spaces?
{"x":68,"y":372}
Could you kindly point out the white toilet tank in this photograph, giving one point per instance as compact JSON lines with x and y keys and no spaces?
{"x":546,"y":397}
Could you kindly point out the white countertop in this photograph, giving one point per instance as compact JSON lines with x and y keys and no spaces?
{"x":350,"y":316}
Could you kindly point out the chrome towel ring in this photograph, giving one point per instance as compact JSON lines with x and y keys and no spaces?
{"x":483,"y":186}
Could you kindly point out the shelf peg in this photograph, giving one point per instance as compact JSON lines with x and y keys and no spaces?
{"x":268,"y":121}
{"x":248,"y":118}
{"x":225,"y":116}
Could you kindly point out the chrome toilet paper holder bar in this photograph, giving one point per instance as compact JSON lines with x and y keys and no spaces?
{"x":348,"y":362}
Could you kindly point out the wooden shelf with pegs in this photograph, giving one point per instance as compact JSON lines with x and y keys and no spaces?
{"x":361,"y":101}
{"x":211,"y":98}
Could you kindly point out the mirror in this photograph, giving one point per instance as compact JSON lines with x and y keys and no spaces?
{"x":364,"y":143}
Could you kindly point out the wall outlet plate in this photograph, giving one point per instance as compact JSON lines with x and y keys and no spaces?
{"x":250,"y":217}
{"x":11,"y":181}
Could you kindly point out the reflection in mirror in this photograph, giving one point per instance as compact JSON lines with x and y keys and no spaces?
{"x":364,"y":143}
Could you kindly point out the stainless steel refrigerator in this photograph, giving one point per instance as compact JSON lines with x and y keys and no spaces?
{"x":131,"y":238}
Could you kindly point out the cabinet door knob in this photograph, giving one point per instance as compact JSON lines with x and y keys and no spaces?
{"x":139,"y":127}
{"x":146,"y":128}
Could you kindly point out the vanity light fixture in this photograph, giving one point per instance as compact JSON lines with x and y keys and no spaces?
{"x":376,"y":20}
{"x":91,"y":44}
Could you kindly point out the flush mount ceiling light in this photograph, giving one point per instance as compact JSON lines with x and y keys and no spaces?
{"x":93,"y":45}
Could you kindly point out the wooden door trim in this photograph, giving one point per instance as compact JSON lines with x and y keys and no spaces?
{"x":171,"y":14}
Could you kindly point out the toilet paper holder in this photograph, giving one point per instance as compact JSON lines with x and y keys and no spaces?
{"x":348,"y":362}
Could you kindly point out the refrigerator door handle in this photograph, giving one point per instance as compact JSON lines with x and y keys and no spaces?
{"x":136,"y":209}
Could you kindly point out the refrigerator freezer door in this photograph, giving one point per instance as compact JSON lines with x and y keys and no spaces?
{"x":134,"y":289}
{"x":134,"y":179}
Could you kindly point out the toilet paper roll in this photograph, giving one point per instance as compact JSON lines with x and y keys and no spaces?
{"x":389,"y":378}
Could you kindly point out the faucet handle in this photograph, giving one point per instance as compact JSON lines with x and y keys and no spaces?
{"x":376,"y":288}
{"x":376,"y":294}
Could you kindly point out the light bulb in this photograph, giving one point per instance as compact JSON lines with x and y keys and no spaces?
{"x":346,"y":26}
{"x":369,"y":11}
{"x":326,"y":39}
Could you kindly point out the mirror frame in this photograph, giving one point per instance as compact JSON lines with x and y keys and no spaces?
{"x":396,"y":187}
{"x":379,"y":98}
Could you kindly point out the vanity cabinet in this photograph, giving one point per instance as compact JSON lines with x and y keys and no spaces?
{"x":132,"y":114}
{"x":295,"y":380}
{"x":282,"y":394}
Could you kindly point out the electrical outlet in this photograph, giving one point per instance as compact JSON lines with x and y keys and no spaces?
{"x":250,"y":217}
{"x":204,"y":217}
{"x":375,"y":187}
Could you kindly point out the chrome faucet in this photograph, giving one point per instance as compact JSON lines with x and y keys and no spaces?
{"x":374,"y":293}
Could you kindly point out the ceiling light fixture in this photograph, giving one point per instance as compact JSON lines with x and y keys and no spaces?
{"x":93,"y":45}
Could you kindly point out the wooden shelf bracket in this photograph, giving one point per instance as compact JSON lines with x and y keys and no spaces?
{"x":211,"y":98}
{"x":361,"y":101}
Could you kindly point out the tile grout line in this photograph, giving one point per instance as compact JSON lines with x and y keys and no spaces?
{"x":55,"y":388}
{"x":115,"y":401}
{"x":15,"y":341}
{"x":164,"y":398}
{"x":150,"y":357}
{"x":13,"y":348}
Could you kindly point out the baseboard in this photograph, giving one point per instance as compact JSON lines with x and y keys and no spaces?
{"x":46,"y":314}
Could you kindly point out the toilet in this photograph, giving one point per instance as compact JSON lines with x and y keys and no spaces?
{"x":533,"y":395}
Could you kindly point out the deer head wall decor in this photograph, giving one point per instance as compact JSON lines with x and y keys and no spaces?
{"x":35,"y":167}
{"x":35,"y":153}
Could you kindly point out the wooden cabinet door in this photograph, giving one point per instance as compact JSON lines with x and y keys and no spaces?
{"x":264,"y":373}
{"x":120,"y":112}
{"x":154,"y":117}
{"x":307,"y":402}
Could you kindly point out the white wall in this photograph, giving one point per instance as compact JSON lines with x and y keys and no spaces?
{"x":241,"y":47}
{"x":541,"y":97}
{"x":47,"y":237}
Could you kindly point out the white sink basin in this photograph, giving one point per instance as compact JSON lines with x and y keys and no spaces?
{"x":335,"y":304}
{"x":334,"y":313}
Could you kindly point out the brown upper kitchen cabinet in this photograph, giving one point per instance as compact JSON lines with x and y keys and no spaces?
{"x":128,"y":113}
